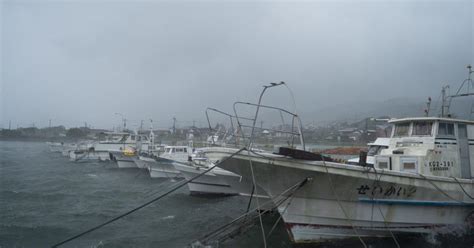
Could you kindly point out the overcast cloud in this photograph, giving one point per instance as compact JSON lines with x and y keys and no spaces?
{"x":83,"y":61}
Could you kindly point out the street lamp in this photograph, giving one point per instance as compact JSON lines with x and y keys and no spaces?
{"x":124,"y":121}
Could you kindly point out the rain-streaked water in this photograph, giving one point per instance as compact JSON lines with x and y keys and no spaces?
{"x":44,"y":199}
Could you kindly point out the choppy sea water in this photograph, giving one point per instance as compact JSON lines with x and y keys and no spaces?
{"x":45,"y":198}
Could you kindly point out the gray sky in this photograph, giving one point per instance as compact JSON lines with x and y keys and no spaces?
{"x":83,"y":61}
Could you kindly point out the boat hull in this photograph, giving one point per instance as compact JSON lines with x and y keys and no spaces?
{"x":163,"y":169}
{"x":143,"y":162}
{"x":86,"y":155}
{"x":343,"y":202}
{"x":214,"y":182}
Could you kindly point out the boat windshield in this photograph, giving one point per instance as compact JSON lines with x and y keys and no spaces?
{"x":374,"y":150}
{"x":446,"y":129}
{"x":401,"y":130}
{"x":422,"y":128}
{"x":124,"y":138}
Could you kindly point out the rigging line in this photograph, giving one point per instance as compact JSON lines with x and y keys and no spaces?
{"x":243,"y":217}
{"x":283,"y":212}
{"x":145,"y":204}
{"x":340,"y":205}
{"x":251,"y":196}
{"x":271,"y":200}
{"x":462,"y":188}
{"x":258,"y":203}
{"x":378,"y":179}
{"x":162,"y":190}
{"x":440,"y":190}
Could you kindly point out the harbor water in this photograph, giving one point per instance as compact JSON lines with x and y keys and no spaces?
{"x":45,"y":198}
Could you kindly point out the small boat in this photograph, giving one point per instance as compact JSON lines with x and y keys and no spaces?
{"x":125,"y":159}
{"x":114,"y":144}
{"x":163,"y":165}
{"x":215,"y":182}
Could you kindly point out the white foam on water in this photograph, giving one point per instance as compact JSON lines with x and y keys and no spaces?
{"x":169,"y":217}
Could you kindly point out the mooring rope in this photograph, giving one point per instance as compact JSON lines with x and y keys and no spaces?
{"x":145,"y":204}
{"x":273,"y":200}
{"x":377,"y":180}
{"x":440,"y":190}
{"x":340,"y":204}
{"x":258,"y":203}
{"x":462,"y":188}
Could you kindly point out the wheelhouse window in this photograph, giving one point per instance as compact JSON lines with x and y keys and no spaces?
{"x":373,"y":150}
{"x":445,"y":129}
{"x":422,"y":128}
{"x":401,"y":130}
{"x":409,"y":165}
{"x":124,"y":138}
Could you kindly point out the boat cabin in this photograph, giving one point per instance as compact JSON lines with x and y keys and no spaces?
{"x":133,"y":138}
{"x":430,"y":146}
{"x":374,"y":148}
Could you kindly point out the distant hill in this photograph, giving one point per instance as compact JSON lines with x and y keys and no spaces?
{"x":395,"y":108}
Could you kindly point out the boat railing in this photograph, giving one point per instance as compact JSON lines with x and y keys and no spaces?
{"x":294,"y":132}
{"x":229,"y":132}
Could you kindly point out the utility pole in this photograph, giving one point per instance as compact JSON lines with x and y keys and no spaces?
{"x":124,"y":121}
{"x":174,"y":125}
{"x":10,"y":125}
{"x":49,"y":123}
{"x":141,"y":125}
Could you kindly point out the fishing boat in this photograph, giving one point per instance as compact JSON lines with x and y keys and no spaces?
{"x":114,"y":144}
{"x":421,"y":184}
{"x":215,"y":182}
{"x":163,"y":167}
{"x":61,"y":147}
{"x":125,"y":158}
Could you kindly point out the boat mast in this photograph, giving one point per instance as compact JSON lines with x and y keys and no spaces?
{"x":447,"y":99}
{"x":444,"y":106}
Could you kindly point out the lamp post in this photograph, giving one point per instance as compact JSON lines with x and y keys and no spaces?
{"x":124,"y":121}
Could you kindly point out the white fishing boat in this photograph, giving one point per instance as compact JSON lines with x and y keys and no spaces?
{"x":104,"y":150}
{"x":125,"y":158}
{"x":163,"y":165}
{"x":421,"y":184}
{"x":215,"y":182}
{"x":61,"y":147}
{"x":147,"y":155}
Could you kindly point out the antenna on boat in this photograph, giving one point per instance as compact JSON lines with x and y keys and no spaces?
{"x":428,"y":104}
{"x":152,"y":135}
{"x":468,"y":82}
